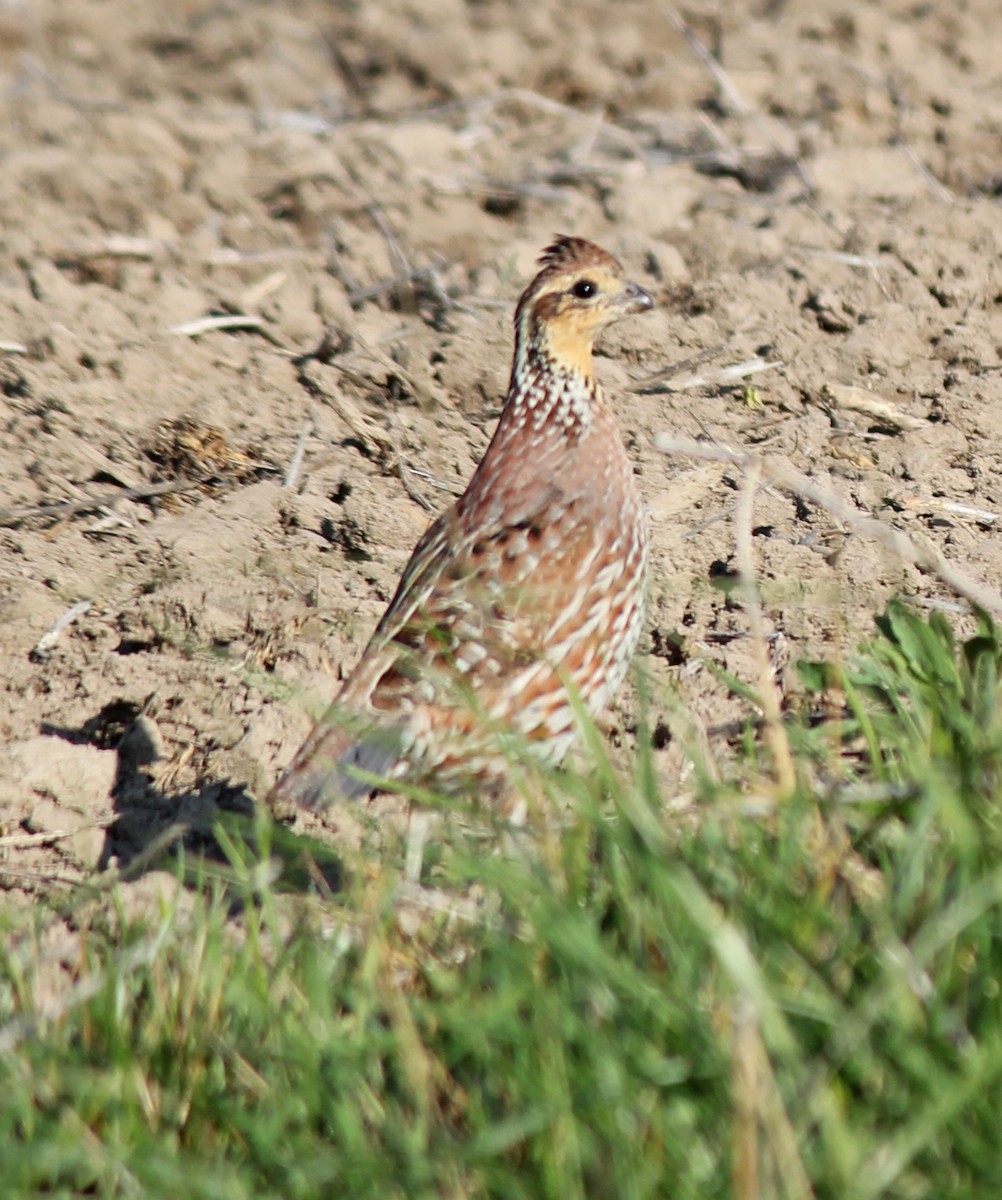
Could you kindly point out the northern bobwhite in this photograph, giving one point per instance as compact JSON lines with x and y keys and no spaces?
{"x":528,"y":589}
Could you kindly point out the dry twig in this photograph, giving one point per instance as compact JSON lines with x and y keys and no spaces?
{"x":656,"y":380}
{"x":926,"y":557}
{"x":768,"y":692}
{"x":69,"y":508}
{"x":48,"y":640}
{"x":296,"y":463}
{"x":730,"y":96}
{"x":411,"y":275}
{"x":223,"y":321}
{"x":870,"y":405}
{"x":21,"y":841}
{"x":724,"y":376}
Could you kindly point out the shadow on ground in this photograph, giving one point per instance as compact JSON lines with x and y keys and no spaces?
{"x":155,"y":826}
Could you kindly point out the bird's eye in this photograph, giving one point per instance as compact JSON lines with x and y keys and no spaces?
{"x":584,"y":288}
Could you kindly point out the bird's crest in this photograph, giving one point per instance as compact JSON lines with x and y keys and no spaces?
{"x":565,"y":253}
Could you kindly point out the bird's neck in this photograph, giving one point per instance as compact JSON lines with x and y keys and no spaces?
{"x":553,"y":376}
{"x":549,"y":392}
{"x":562,"y":347}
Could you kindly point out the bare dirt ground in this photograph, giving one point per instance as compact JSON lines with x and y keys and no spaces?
{"x":367,"y":185}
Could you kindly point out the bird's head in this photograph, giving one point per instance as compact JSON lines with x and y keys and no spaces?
{"x":580,"y":289}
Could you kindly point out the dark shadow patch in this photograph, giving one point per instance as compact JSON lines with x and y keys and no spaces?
{"x":155,"y":828}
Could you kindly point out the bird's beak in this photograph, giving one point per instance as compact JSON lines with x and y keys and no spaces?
{"x":634,"y":299}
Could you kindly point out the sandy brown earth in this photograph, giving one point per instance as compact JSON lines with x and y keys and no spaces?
{"x":368,"y":185}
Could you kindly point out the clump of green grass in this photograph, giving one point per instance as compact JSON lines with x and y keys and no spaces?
{"x":788,"y":999}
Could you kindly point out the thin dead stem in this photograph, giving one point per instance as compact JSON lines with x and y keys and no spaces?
{"x":768,"y":691}
{"x":651,"y":382}
{"x":729,"y":94}
{"x":922,"y":555}
{"x":49,"y":639}
{"x":780,"y":1136}
{"x":404,"y":473}
{"x":225,"y":321}
{"x":296,"y":463}
{"x":69,"y":508}
{"x":745,"y":1088}
{"x":941,"y":193}
{"x":758,"y":1105}
{"x":409,"y":276}
{"x":21,"y":841}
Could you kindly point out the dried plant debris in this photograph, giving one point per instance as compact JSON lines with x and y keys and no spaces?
{"x":184,"y":448}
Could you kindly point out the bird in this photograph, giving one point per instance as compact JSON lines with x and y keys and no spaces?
{"x":522,"y":605}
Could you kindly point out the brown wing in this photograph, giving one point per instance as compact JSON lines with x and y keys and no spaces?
{"x":463,"y":615}
{"x":465,"y":618}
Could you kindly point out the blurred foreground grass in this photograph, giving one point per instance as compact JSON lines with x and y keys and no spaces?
{"x":756,"y":997}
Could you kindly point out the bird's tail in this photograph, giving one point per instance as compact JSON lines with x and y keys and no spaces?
{"x":335,"y":764}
